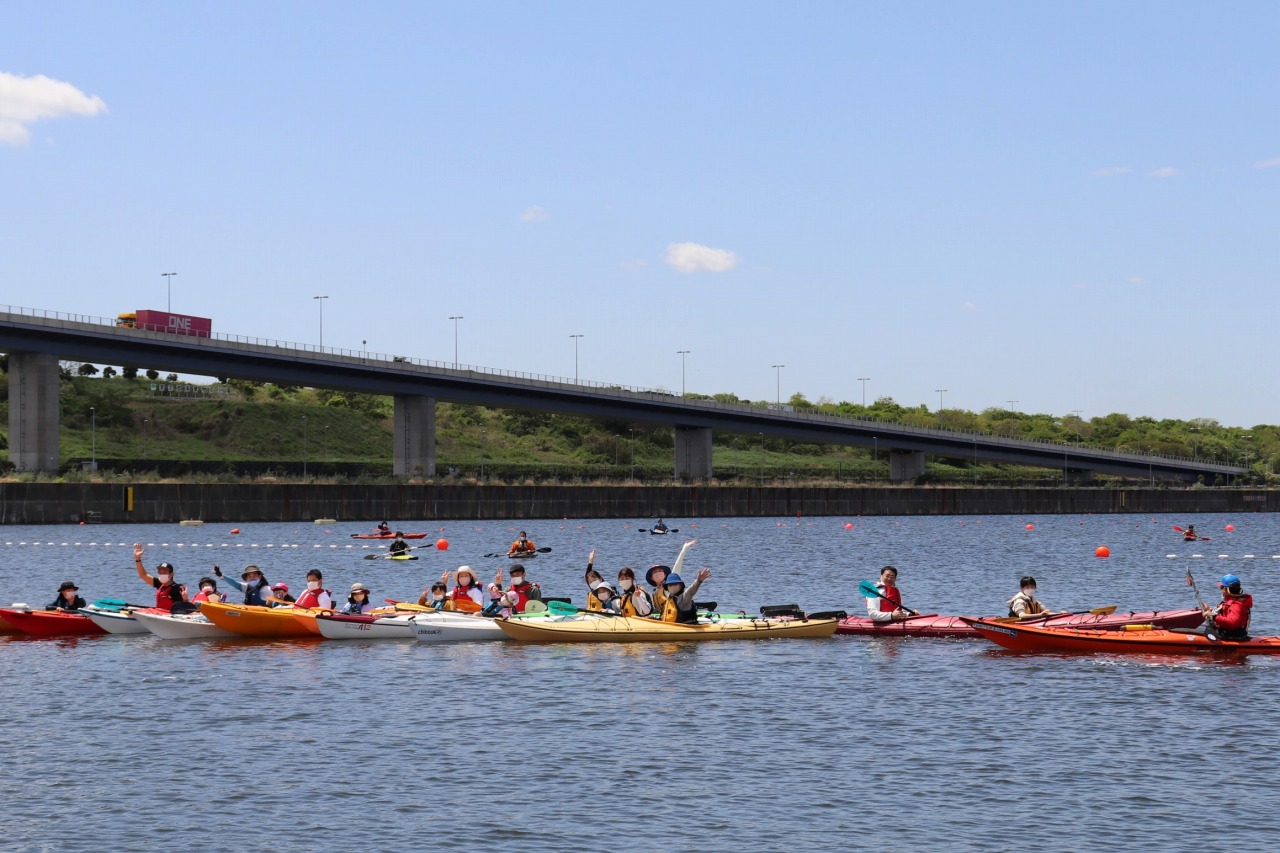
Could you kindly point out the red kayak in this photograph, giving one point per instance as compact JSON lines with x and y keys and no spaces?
{"x":387,"y":536}
{"x":48,"y":623}
{"x":1033,"y":638}
{"x":933,"y":625}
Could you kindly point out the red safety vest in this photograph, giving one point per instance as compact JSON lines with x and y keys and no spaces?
{"x":164,"y":596}
{"x":890,"y":592}
{"x":310,"y":598}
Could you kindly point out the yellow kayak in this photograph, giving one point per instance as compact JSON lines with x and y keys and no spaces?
{"x":630,"y":629}
{"x":250,"y":621}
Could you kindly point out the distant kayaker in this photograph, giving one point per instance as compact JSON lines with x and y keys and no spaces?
{"x":634,"y":600}
{"x":384,"y":528}
{"x":281,"y":591}
{"x":466,"y":596}
{"x":434,"y":597}
{"x":680,"y":606}
{"x":661,"y":526}
{"x":68,"y":599}
{"x":168,"y":592}
{"x":315,"y":595}
{"x":522,"y":545}
{"x":1230,"y":619}
{"x":252,"y":583}
{"x":1025,"y":603}
{"x":399,"y":546}
{"x":358,"y":602}
{"x":880,"y":610}
{"x":1190,"y":535}
{"x":208,"y":591}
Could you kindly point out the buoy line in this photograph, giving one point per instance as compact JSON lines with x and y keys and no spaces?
{"x":347,"y":547}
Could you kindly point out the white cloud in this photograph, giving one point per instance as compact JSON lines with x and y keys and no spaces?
{"x":1163,"y":172}
{"x":695,"y":257}
{"x":636,"y":264}
{"x":968,"y":306}
{"x":1136,"y":279}
{"x":1267,"y":164}
{"x":25,"y":100}
{"x":535,"y":213}
{"x":1111,"y":170}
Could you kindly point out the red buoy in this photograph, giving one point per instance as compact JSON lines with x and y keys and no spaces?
{"x":1102,"y":552}
{"x":442,"y":544}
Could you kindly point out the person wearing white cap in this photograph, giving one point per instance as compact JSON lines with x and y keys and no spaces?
{"x":606,"y":597}
{"x":358,"y":602}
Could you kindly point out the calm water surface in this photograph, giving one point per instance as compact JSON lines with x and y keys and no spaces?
{"x":133,"y":743}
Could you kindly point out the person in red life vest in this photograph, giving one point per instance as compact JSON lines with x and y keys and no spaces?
{"x":168,"y":593}
{"x":280,"y":591}
{"x":68,"y":600}
{"x":315,"y":595}
{"x":1230,"y":619}
{"x":523,"y":588}
{"x":384,"y":528}
{"x":466,"y":595}
{"x":522,"y":545}
{"x":208,"y":592}
{"x":880,"y":610}
{"x":252,"y":583}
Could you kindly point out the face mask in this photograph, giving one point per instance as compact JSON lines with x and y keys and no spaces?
{"x":206,"y":589}
{"x":603,"y":595}
{"x":517,"y":579}
{"x":464,"y":580}
{"x":1030,"y":592}
{"x":165,"y":578}
{"x":437,"y":596}
{"x":625,"y":583}
{"x":673,"y":591}
{"x":252,"y":582}
{"x":313,"y":585}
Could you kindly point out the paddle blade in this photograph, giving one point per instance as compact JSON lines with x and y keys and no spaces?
{"x":1177,"y":528}
{"x":371,"y":556}
{"x":1103,"y":611}
{"x":868,"y":589}
{"x":560,"y":608}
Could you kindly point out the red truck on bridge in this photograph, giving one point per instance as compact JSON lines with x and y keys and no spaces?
{"x":164,"y":321}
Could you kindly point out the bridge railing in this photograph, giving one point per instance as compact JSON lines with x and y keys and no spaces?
{"x":789,"y":413}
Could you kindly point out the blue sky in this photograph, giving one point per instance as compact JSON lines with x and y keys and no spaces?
{"x":1071,"y":205}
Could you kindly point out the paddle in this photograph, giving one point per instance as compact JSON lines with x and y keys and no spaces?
{"x":405,"y":551}
{"x":518,"y":556}
{"x":1208,"y":631}
{"x":407,"y":605}
{"x":116,"y":604}
{"x":654,"y":530}
{"x":1189,"y":538}
{"x":868,"y":589}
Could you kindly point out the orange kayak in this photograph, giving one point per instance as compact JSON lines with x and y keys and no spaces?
{"x":1033,"y":638}
{"x":250,"y":621}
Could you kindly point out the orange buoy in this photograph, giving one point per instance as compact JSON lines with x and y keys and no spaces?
{"x":848,"y":525}
{"x":1102,"y":552}
{"x":235,"y":530}
{"x":1230,"y":527}
{"x":1031,"y":527}
{"x":442,"y":544}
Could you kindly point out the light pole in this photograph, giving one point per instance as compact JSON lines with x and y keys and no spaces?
{"x":304,"y":446}
{"x":321,"y":300}
{"x":575,"y":357}
{"x":778,"y":390}
{"x":168,"y":282}
{"x":682,"y":353}
{"x":455,"y":339}
{"x":1011,"y":404}
{"x":1195,"y":443}
{"x":93,"y":438}
{"x":940,"y":391}
{"x":864,"y":380}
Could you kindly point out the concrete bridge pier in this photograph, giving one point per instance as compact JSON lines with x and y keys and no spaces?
{"x":693,"y":453}
{"x":33,"y":411}
{"x":415,"y":436}
{"x":905,"y":465}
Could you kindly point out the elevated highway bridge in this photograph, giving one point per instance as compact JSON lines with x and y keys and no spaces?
{"x":36,"y":340}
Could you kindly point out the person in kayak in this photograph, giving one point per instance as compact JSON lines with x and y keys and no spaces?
{"x":605,"y":598}
{"x":384,"y":528}
{"x":522,"y":545}
{"x":399,"y":546}
{"x":1025,"y":604}
{"x":252,"y":583}
{"x":880,"y":610}
{"x":679,"y":606}
{"x":1230,"y":619}
{"x":591,"y":578}
{"x":1190,"y":535}
{"x":281,"y":591}
{"x":315,"y":595}
{"x":521,"y":586}
{"x":358,"y":603}
{"x":634,"y":600}
{"x":435,"y":597}
{"x":466,"y":596}
{"x":661,"y":526}
{"x":208,"y":591}
{"x":68,"y":600}
{"x":168,"y":593}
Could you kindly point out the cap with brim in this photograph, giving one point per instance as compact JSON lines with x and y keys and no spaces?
{"x":359,"y":587}
{"x":515,"y":567}
{"x":66,"y":585}
{"x":599,"y":585}
{"x":648,"y":576}
{"x":249,"y":570}
{"x":283,"y":587}
{"x":168,"y":566}
{"x":465,"y":570}
{"x":672,"y":580}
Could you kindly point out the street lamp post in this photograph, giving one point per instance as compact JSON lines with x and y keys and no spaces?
{"x":320,"y":300}
{"x":940,"y":391}
{"x":1195,"y":443}
{"x":575,"y":357}
{"x":864,"y":380}
{"x":168,"y":282}
{"x":455,"y":339}
{"x":682,"y":353}
{"x":93,"y":438}
{"x":1011,"y":404}
{"x":778,"y":391}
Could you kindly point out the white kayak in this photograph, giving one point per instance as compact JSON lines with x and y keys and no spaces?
{"x":338,"y":627}
{"x":114,"y":621}
{"x":188,"y":626}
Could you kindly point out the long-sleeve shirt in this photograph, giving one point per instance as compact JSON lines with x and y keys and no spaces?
{"x":684,"y":600}
{"x":874,"y":606}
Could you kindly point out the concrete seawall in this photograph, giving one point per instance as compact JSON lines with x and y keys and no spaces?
{"x":62,"y":503}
